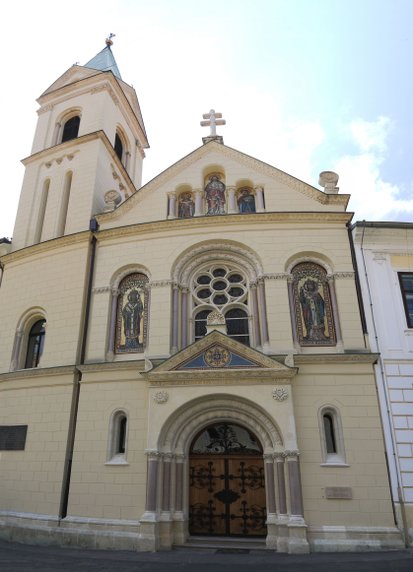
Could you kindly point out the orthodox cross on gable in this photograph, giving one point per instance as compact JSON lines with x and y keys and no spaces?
{"x":213,"y":119}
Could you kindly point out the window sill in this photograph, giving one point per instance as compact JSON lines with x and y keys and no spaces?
{"x":117,"y":460}
{"x":334,"y":464}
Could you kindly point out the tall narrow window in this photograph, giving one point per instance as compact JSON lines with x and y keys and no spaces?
{"x":201,"y":323}
{"x":35,"y":344}
{"x":64,"y":204}
{"x":71,"y":128}
{"x":118,"y":437}
{"x":331,"y":435}
{"x":118,"y":147}
{"x":42,"y":211}
{"x":406,"y":286}
{"x":237,"y":325}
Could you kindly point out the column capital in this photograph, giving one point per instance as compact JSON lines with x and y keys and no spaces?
{"x":153,"y":454}
{"x":172,"y":194}
{"x":291,"y":455}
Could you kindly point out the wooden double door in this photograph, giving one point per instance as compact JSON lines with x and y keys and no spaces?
{"x":227,"y":495}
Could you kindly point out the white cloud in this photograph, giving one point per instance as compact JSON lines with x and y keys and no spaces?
{"x":372,"y":197}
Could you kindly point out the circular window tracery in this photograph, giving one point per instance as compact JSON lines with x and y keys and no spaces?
{"x":219,"y":286}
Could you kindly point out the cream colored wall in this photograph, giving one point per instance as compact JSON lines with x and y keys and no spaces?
{"x":351,"y":389}
{"x":31,"y":480}
{"x":157,"y":252}
{"x":51,"y":280}
{"x":279,"y":196}
{"x":100,"y":490}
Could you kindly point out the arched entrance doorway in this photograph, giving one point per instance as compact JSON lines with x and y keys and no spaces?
{"x":226,"y":482}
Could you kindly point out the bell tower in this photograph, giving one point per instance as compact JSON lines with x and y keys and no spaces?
{"x":90,"y":139}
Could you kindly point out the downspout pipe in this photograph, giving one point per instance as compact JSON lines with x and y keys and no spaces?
{"x":80,"y":360}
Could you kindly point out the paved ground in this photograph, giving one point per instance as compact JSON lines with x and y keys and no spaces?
{"x":24,"y":558}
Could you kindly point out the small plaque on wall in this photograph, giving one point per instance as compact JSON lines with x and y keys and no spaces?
{"x":338,"y":493}
{"x":13,"y":437}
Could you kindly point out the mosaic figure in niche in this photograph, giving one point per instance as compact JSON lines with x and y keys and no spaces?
{"x":312,"y":306}
{"x":186,"y":206}
{"x":131,"y":322}
{"x":313,"y":309}
{"x":215,"y":196}
{"x":246,"y":201}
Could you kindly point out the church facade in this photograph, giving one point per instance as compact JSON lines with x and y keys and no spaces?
{"x":185,"y":359}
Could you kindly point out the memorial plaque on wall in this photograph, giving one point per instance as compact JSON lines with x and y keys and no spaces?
{"x":13,"y":437}
{"x":338,"y":493}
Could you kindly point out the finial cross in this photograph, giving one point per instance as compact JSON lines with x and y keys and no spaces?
{"x":213,"y":119}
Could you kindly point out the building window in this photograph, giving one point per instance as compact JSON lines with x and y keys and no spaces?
{"x":71,"y":128}
{"x":406,"y":286}
{"x":132,"y":314}
{"x":35,"y":344}
{"x":222,"y":288}
{"x":331,"y":436}
{"x":13,"y":437}
{"x":118,"y":437}
{"x":118,"y":147}
{"x":312,"y":306}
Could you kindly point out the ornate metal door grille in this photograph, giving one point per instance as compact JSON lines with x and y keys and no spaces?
{"x":227,"y":487}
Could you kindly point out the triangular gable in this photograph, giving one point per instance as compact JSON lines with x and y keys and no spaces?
{"x":72,"y":75}
{"x":250,"y":162}
{"x":215,"y":354}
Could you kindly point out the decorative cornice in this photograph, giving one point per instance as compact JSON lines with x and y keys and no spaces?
{"x":216,"y":377}
{"x":275,"y":276}
{"x":160,"y":283}
{"x":345,"y":275}
{"x":47,"y":246}
{"x":240,"y":157}
{"x":59,"y":160}
{"x":127,"y":365}
{"x":367,"y":357}
{"x":101,"y":289}
{"x":45,"y":109}
{"x":38,"y":372}
{"x":226,"y":221}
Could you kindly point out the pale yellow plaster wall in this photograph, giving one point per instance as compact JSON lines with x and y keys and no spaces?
{"x":98,"y":489}
{"x":351,"y":389}
{"x":53,"y":281}
{"x":31,"y":480}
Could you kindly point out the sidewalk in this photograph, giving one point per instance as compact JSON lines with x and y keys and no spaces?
{"x":26,"y":558}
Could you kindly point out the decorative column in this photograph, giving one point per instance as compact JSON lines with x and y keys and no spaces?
{"x":110,"y":353}
{"x":184,"y":317}
{"x":179,"y":527}
{"x":56,"y":133}
{"x":17,"y":350}
{"x":127,"y":160}
{"x":271,"y":541}
{"x":333,"y":297}
{"x":255,"y":314}
{"x":259,"y":194}
{"x":152,"y":482}
{"x":297,"y":537}
{"x":232,"y":205}
{"x":166,"y":482}
{"x":175,"y":317}
{"x":262,"y":306}
{"x":296,"y":499}
{"x":280,"y":469}
{"x":199,"y":202}
{"x":172,"y":205}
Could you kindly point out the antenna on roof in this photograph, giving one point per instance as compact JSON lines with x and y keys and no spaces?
{"x":108,"y":40}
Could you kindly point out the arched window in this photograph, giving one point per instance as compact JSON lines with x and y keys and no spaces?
{"x":224,"y":288}
{"x":35,"y":344}
{"x":132,"y":314}
{"x":118,"y":147}
{"x":314,"y":322}
{"x":71,"y":129}
{"x":118,"y":437}
{"x":331,"y":436}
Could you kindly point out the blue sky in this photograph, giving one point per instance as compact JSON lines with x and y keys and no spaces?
{"x":305,"y":85}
